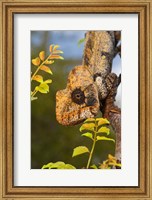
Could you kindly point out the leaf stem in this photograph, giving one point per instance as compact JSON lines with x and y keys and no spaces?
{"x":34,"y":93}
{"x":93,"y":146}
{"x":40,"y":67}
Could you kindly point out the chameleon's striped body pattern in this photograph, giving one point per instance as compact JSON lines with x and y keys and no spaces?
{"x":89,"y":83}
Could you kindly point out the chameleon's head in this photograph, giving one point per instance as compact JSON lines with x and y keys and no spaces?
{"x":79,"y":100}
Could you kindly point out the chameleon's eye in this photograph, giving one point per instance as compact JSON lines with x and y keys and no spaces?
{"x":78,"y":96}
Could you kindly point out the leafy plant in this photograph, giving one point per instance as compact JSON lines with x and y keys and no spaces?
{"x":95,"y":129}
{"x":58,"y":165}
{"x":42,"y":63}
{"x":110,"y":163}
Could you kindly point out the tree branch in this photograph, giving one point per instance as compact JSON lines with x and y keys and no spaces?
{"x":100,"y":49}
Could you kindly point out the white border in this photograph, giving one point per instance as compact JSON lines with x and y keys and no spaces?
{"x":23,"y":175}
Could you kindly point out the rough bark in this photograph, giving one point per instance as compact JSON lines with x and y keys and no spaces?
{"x":100,"y":49}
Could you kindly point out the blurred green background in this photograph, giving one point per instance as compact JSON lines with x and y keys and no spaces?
{"x":50,"y":141}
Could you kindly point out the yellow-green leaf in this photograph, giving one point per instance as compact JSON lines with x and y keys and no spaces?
{"x":58,"y":165}
{"x":42,"y":55}
{"x":69,"y":166}
{"x":38,"y":78}
{"x":56,"y":57}
{"x":49,"y":62}
{"x":94,"y":166}
{"x":89,"y":120}
{"x":89,"y":135}
{"x":43,"y":88}
{"x":37,"y":88}
{"x":104,"y":138}
{"x":36,"y":61}
{"x":102,"y":121}
{"x":47,"y":166}
{"x":87,"y":126}
{"x":51,"y":48}
{"x":46,"y":69}
{"x":48,"y":81}
{"x":104,"y":129}
{"x":80,"y":150}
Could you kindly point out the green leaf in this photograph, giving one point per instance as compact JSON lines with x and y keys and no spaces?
{"x":68,"y":166}
{"x":46,"y":69}
{"x":89,"y":135}
{"x":104,"y":129}
{"x":38,"y":78}
{"x":48,"y":81}
{"x":104,"y":138}
{"x":43,"y":88}
{"x":102,"y":121}
{"x":94,"y":166}
{"x":87,"y":126}
{"x":89,"y":120}
{"x":81,"y":41}
{"x":47,"y":166}
{"x":80,"y":150}
{"x":58,"y":165}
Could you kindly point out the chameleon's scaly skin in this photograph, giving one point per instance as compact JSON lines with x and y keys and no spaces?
{"x":98,"y":56}
{"x":67,"y":111}
{"x":89,"y":83}
{"x":99,"y":51}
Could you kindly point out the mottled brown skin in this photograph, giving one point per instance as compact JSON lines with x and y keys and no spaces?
{"x":89,"y":84}
{"x":68,"y":112}
{"x":98,"y":55}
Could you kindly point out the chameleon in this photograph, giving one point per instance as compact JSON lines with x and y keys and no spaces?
{"x":88,"y":84}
